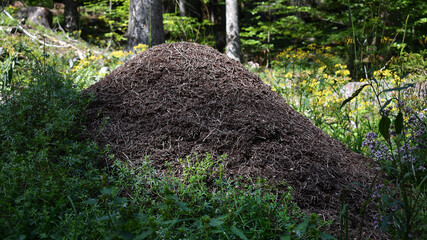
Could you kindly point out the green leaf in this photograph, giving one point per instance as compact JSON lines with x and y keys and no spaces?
{"x":302,"y":227}
{"x":238,"y":232}
{"x":106,"y":217}
{"x":325,"y":236}
{"x":355,"y":94}
{"x":90,"y":201}
{"x":422,"y":181}
{"x":107,"y":191}
{"x":398,"y":123}
{"x":344,"y":208}
{"x":384,"y":222}
{"x":119,"y":200}
{"x":125,"y":235}
{"x":21,"y":237}
{"x":385,"y":105}
{"x":183,"y":206}
{"x":215,"y":222}
{"x":143,"y":235}
{"x":421,"y":21}
{"x":384,"y":127}
{"x":399,"y":88}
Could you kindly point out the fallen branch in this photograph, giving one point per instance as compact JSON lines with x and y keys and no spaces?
{"x":63,"y":31}
{"x":64,"y":44}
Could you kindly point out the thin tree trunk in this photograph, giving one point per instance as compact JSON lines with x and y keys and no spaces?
{"x":217,"y":17}
{"x":71,"y":15}
{"x":181,"y":8}
{"x":145,"y":23}
{"x":352,"y":48}
{"x":157,"y":29}
{"x":232,"y":29}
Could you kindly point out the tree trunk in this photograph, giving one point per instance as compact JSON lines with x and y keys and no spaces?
{"x":232,"y":29}
{"x":71,"y":15}
{"x":145,"y":23}
{"x":352,"y":67}
{"x":157,"y":30}
{"x":181,"y":8}
{"x":217,"y":17}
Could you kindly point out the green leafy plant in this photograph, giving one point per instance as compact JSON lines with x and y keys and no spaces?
{"x":91,"y":69}
{"x":112,"y":18}
{"x":314,"y":82}
{"x":402,"y":157}
{"x":203,"y":204}
{"x":188,"y":29}
{"x":380,"y":30}
{"x":400,"y":198}
{"x":273,"y":26}
{"x":46,"y":168}
{"x":7,"y":68}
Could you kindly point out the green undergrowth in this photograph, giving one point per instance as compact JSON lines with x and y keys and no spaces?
{"x":52,"y":185}
{"x":382,"y":116}
{"x":203,"y":205}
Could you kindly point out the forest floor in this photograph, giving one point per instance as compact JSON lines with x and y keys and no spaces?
{"x":228,"y":153}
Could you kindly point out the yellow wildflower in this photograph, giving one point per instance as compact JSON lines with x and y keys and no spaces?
{"x":386,"y":40}
{"x":322,"y":68}
{"x":348,"y":40}
{"x":312,"y":85}
{"x":140,"y":48}
{"x":311,"y":46}
{"x":120,"y":54}
{"x":342,"y":72}
{"x":387,"y":73}
{"x":340,"y":66}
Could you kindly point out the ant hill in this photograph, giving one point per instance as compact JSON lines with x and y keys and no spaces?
{"x":174,"y":100}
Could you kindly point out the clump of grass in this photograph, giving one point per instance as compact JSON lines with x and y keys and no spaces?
{"x":203,"y":205}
